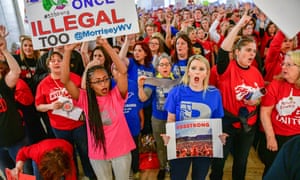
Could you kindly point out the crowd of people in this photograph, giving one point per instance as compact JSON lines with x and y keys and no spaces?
{"x":94,"y":100}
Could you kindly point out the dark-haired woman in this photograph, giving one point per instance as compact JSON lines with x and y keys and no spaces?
{"x":139,"y":65}
{"x":109,"y":139}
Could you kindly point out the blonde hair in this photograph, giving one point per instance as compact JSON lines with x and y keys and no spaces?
{"x":36,"y":53}
{"x":186,"y":79}
{"x":295,"y":57}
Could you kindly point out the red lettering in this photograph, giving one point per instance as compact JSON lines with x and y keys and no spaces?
{"x":114,"y":17}
{"x":40,"y":28}
{"x":86,"y":22}
{"x":53,"y":26}
{"x":33,"y":28}
{"x":69,"y":21}
{"x":102,"y":17}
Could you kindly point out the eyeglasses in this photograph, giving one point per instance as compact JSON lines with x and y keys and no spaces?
{"x":164,"y":64}
{"x":55,"y":61}
{"x":288,"y":65}
{"x":100,"y":81}
{"x":153,"y":43}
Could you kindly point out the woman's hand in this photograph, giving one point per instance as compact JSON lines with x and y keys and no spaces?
{"x":18,"y":169}
{"x":223,"y":137}
{"x":254,"y":102}
{"x":93,"y":63}
{"x":165,"y":138}
{"x":272,"y":143}
{"x":100,"y":41}
{"x":71,"y":47}
{"x":56,"y":105}
{"x":141,"y":81}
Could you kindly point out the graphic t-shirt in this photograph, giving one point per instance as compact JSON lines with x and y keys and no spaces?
{"x":285,"y":115}
{"x":188,"y":104}
{"x":118,"y":139}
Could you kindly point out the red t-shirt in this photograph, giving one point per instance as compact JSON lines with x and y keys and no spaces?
{"x":36,"y":152}
{"x":48,"y":91}
{"x":285,"y":98}
{"x":235,"y":83}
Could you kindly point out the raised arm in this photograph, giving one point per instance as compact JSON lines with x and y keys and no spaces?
{"x":124,"y":49}
{"x":122,"y":82}
{"x":12,"y":76}
{"x":228,"y":42}
{"x":72,"y":89}
{"x":85,"y":53}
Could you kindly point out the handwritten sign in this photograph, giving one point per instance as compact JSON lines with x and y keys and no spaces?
{"x":60,"y":22}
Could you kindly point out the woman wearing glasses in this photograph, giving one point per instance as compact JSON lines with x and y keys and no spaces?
{"x":109,"y":139}
{"x":238,"y":79}
{"x":280,"y":109}
{"x":159,"y":92}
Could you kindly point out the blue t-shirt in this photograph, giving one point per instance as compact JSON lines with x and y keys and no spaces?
{"x":159,"y":97}
{"x":132,"y":107}
{"x":179,"y":68}
{"x":135,"y":70}
{"x":188,"y":104}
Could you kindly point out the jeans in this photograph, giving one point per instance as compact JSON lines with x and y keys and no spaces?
{"x":78,"y":138}
{"x":120,"y":166}
{"x":180,"y":168}
{"x":239,"y":144}
{"x":159,"y":127}
{"x":8,"y":156}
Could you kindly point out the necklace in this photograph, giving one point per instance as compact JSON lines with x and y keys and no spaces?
{"x":56,"y":84}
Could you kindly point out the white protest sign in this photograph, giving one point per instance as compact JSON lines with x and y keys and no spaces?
{"x":60,"y":22}
{"x":285,"y":14}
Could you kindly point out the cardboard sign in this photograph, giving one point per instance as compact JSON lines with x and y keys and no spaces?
{"x":285,"y":14}
{"x":60,"y":22}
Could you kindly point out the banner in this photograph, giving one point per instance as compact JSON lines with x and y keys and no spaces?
{"x":60,"y":22}
{"x":283,"y":13}
{"x":194,"y":138}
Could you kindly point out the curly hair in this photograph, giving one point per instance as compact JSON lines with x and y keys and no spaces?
{"x":55,"y":164}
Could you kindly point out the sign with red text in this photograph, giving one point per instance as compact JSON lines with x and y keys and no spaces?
{"x":194,"y":138}
{"x":60,"y":22}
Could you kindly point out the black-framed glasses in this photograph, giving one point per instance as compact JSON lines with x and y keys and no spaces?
{"x":100,"y":81}
{"x":164,"y":64}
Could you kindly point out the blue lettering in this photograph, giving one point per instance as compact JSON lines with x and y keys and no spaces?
{"x":79,"y":4}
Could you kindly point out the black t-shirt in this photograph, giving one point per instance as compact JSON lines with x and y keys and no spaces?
{"x":11,"y":128}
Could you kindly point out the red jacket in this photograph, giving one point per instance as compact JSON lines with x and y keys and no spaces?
{"x":274,"y":57}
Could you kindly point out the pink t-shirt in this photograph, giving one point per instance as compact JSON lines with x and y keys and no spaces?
{"x":117,"y":135}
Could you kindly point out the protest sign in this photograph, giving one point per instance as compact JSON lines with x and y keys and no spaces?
{"x":283,"y":13}
{"x":60,"y":22}
{"x":194,"y":138}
